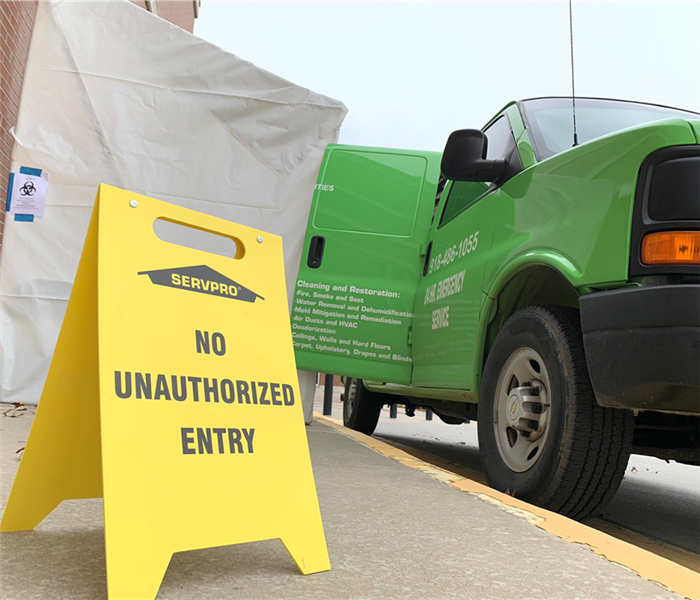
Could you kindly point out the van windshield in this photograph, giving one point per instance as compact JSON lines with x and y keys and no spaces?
{"x":551,"y":126}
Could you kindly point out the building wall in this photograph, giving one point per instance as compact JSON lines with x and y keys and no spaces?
{"x":336,"y":380}
{"x":16,"y":24}
{"x":178,"y":12}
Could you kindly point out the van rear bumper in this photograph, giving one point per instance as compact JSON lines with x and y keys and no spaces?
{"x":643,"y":347}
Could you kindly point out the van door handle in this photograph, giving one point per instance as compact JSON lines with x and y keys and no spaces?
{"x":427,"y":259}
{"x":316,"y":247}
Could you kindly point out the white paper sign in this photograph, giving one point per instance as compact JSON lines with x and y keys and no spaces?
{"x":29,"y":194}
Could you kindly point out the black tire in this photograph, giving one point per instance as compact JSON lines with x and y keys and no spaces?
{"x":584,"y":456}
{"x":361,"y":407}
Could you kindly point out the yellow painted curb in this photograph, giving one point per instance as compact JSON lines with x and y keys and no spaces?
{"x":675,"y":554}
{"x":672,"y":576}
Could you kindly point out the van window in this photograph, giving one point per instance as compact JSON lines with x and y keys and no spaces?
{"x":500,"y":139}
{"x":465,"y":193}
{"x":384,"y":200}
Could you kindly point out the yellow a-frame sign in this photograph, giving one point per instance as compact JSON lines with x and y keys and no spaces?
{"x":173,"y":395}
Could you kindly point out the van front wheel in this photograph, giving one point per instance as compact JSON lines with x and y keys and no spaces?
{"x":542,"y":436}
{"x":361,"y":407}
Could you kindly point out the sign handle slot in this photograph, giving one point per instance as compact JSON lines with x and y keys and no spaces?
{"x":198,"y":238}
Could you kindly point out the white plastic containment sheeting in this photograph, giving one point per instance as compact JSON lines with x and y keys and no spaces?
{"x":113,"y":94}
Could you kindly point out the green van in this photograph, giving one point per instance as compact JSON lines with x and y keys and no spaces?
{"x":547,"y":289}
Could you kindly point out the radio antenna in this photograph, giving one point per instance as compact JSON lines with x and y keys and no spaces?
{"x":573,"y":89}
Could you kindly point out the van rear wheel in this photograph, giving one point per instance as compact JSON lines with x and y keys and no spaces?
{"x":542,"y":436}
{"x":361,"y":407}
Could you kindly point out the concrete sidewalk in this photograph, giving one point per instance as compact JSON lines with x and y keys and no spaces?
{"x":392,"y":533}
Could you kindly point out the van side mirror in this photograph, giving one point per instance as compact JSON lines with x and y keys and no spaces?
{"x":464,"y":158}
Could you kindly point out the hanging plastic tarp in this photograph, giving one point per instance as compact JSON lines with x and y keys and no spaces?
{"x":113,"y":94}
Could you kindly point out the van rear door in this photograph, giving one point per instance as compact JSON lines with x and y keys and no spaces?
{"x":362,"y":262}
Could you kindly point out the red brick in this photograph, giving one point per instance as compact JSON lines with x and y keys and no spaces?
{"x":16,"y":25}
{"x":6,"y":146}
{"x":178,"y":12}
{"x":16,"y":73}
{"x":336,"y":380}
{"x":14,"y":105}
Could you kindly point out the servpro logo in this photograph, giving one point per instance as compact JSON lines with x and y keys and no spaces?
{"x":204,"y":280}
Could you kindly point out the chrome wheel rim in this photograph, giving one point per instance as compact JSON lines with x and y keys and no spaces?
{"x":522,"y":411}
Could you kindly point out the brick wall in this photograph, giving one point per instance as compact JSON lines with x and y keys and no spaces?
{"x":178,"y":12}
{"x":336,"y":380}
{"x":16,"y":24}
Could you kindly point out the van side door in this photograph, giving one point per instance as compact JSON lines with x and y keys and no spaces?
{"x":361,"y":262}
{"x":450,"y":295}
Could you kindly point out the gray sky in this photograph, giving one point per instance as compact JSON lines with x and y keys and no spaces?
{"x":410,"y":73}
